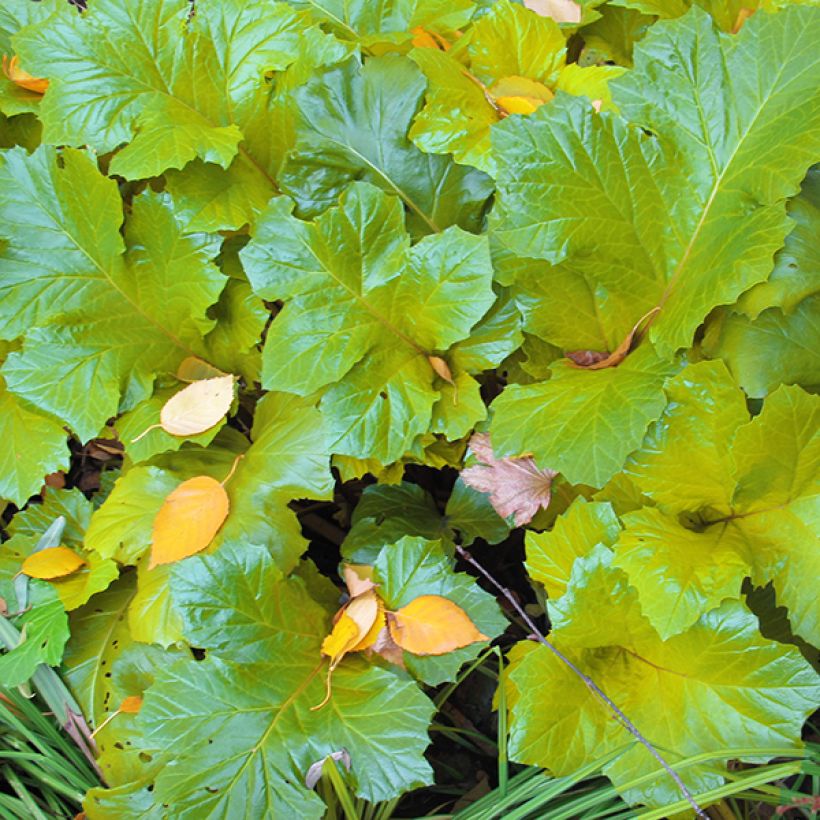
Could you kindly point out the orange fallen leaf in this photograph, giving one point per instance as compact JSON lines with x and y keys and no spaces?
{"x":562,"y":11}
{"x":742,"y":16}
{"x":515,"y":485}
{"x":188,"y":520}
{"x":598,"y":360}
{"x":54,"y":562}
{"x":428,"y":39}
{"x":432,"y":625}
{"x":196,"y":408}
{"x":12,"y":70}
{"x":131,"y":704}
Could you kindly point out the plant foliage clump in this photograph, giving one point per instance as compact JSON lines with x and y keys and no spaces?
{"x":260,"y":258}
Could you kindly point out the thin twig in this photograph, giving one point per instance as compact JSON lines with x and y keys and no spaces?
{"x":590,"y":684}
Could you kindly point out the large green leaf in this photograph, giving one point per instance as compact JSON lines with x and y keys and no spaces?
{"x":582,"y":423}
{"x":353,"y":124}
{"x":775,"y":506}
{"x":141,"y":73}
{"x":387,"y":20}
{"x":683,"y":219}
{"x":551,"y":555}
{"x":345,"y":325}
{"x":22,"y":465}
{"x":685,"y":463}
{"x":97,"y":321}
{"x":718,"y":685}
{"x":234,"y":734}
{"x":510,"y":41}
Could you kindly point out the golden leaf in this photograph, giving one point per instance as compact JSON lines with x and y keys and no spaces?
{"x":11,"y":68}
{"x":54,"y":562}
{"x":432,"y":625}
{"x":188,"y":520}
{"x":131,"y":705}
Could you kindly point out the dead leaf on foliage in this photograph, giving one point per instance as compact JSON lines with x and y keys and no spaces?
{"x":742,"y":16}
{"x":194,"y":369}
{"x":12,"y":70}
{"x":314,"y":773}
{"x":131,"y":704}
{"x":385,"y":646}
{"x":188,"y":520}
{"x":515,"y":485}
{"x":428,"y":39}
{"x":562,"y":11}
{"x":599,"y":360}
{"x":54,"y":562}
{"x":432,"y":625}
{"x":355,"y":629}
{"x":196,"y":408}
{"x":358,"y":578}
{"x":519,"y":95}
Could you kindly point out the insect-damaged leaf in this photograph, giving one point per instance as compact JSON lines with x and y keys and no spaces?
{"x":188,"y":520}
{"x":54,"y":562}
{"x":515,"y":485}
{"x":432,"y":625}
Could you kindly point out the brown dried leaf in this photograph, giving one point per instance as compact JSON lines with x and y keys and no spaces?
{"x":515,"y":485}
{"x":598,"y":360}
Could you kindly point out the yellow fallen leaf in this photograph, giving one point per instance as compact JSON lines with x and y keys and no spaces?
{"x":188,"y":520}
{"x":357,"y":628}
{"x":192,"y":369}
{"x":11,"y":68}
{"x":131,"y":705}
{"x":519,"y":95}
{"x":54,"y":562}
{"x":432,"y":625}
{"x":197,"y":407}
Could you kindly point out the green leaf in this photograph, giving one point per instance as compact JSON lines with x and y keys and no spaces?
{"x":413,"y":567}
{"x":685,"y":461}
{"x":97,"y":322}
{"x":682,"y":219}
{"x":267,"y":633}
{"x":582,"y":423}
{"x":353,"y":124}
{"x":773,"y":349}
{"x":182,"y":91}
{"x":72,"y":505}
{"x":754,"y":692}
{"x":775,"y":504}
{"x":680,"y":574}
{"x":152,"y":617}
{"x":551,"y":555}
{"x":391,"y":22}
{"x":614,"y":35}
{"x":471,"y":513}
{"x":99,"y":635}
{"x":34,"y":446}
{"x":370,"y":351}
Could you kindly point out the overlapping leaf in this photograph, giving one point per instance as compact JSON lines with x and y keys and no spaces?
{"x":721,"y":673}
{"x":347,"y":280}
{"x":465,"y":95}
{"x":353,"y":123}
{"x":194,"y":712}
{"x":96,"y":321}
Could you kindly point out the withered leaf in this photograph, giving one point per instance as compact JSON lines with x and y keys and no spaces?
{"x":515,"y":485}
{"x":432,"y":625}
